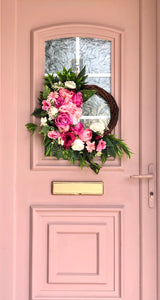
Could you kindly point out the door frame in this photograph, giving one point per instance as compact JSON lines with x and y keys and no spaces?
{"x":149,"y":16}
{"x":158,"y":139}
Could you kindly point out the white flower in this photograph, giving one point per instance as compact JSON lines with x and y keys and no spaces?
{"x":99,"y":153}
{"x":78,"y":145}
{"x":60,"y":141}
{"x":98,"y":127}
{"x":43,"y":121}
{"x":70,"y":84}
{"x":52,"y":112}
{"x":57,"y":85}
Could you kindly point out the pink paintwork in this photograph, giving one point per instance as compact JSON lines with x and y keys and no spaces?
{"x":75,"y":247}
{"x":83,"y":251}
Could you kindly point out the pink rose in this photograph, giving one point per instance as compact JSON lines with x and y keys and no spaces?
{"x":53,"y":134}
{"x":86,"y":135}
{"x":68,"y":139}
{"x":77,"y":129}
{"x":101,"y":145}
{"x":59,"y":102}
{"x":63,"y":128}
{"x":77,"y":99}
{"x":63,"y":120}
{"x":90,"y":146}
{"x":46,"y":105}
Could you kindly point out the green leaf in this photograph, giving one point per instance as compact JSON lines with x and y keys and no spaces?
{"x":46,"y":92}
{"x":37,"y":112}
{"x":95,"y":167}
{"x":46,"y":140}
{"x":51,"y":149}
{"x":86,"y":94}
{"x":82,"y":73}
{"x":110,"y":148}
{"x":44,"y":130}
{"x":103,"y":158}
{"x":40,"y":99}
{"x":59,"y":153}
{"x":119,"y":146}
{"x":67,"y":75}
{"x":31,"y":127}
{"x":47,"y":149}
{"x":50,"y":79}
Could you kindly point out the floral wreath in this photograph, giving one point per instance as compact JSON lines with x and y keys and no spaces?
{"x":64,"y":135}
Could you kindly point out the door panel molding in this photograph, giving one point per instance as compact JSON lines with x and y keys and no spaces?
{"x":38,"y":38}
{"x":63,"y":241}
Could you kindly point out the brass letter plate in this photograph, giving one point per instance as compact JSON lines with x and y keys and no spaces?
{"x":77,"y":188}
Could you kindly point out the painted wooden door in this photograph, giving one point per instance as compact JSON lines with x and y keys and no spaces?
{"x":78,"y":247}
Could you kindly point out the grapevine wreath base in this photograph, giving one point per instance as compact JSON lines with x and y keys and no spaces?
{"x":64,"y":134}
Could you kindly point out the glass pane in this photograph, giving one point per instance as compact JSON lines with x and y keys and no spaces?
{"x":103,"y":82}
{"x":96,"y":55}
{"x":58,"y":54}
{"x":97,"y":110}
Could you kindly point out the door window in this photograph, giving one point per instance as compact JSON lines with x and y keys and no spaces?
{"x":75,"y":53}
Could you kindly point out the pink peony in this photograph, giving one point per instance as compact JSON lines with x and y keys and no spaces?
{"x":64,"y":93}
{"x":53,"y":134}
{"x":46,"y":105}
{"x":101,"y":145}
{"x":69,"y":96}
{"x":63,"y":120}
{"x":90,"y":146}
{"x":77,"y":99}
{"x":59,"y":101}
{"x":86,"y":135}
{"x":68,"y":139}
{"x":77,"y":129}
{"x":72,"y":110}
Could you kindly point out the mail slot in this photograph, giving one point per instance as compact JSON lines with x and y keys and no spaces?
{"x":77,"y":188}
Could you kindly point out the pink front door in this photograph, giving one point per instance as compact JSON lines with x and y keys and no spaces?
{"x":78,"y":247}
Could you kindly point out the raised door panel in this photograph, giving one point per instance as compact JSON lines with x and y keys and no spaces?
{"x":76,"y":252}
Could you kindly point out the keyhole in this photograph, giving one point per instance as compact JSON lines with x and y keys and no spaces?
{"x":151,"y":194}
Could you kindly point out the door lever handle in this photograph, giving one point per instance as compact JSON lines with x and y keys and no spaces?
{"x":151,"y":183}
{"x":145,"y":176}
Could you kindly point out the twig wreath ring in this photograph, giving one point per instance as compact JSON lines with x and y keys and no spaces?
{"x":64,"y":135}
